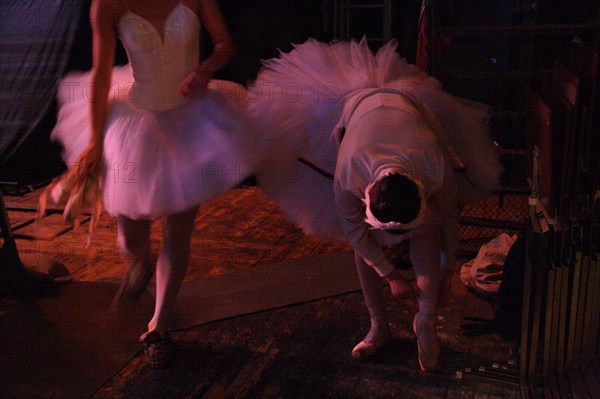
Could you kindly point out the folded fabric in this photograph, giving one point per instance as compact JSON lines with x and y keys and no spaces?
{"x":484,"y":273}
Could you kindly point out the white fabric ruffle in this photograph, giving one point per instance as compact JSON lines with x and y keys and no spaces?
{"x":298,"y":99}
{"x":161,"y":162}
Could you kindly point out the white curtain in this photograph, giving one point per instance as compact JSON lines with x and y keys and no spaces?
{"x":35,"y":41}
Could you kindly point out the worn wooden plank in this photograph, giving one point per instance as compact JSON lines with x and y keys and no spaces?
{"x":297,"y":351}
{"x":460,"y":389}
{"x":290,"y":347}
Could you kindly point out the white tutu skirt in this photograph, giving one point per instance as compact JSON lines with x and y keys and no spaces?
{"x":161,"y":162}
{"x":297,"y":100}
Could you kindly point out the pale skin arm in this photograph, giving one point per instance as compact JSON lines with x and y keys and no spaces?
{"x":102,"y":17}
{"x":212,"y":20}
{"x":400,"y":287}
{"x":351,"y":212}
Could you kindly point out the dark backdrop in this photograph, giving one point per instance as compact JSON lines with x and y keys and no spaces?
{"x":259,"y":28}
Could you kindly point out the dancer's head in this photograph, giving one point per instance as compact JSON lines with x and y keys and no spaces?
{"x":394,"y":203}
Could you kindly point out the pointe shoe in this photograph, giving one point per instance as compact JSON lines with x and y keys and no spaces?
{"x":132,"y":287}
{"x":368,"y":347}
{"x":427,"y":342}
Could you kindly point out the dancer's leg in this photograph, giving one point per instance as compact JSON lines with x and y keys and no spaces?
{"x":378,"y":335}
{"x":134,"y":243}
{"x":171,"y":266}
{"x":425,"y":257}
{"x":448,"y":213}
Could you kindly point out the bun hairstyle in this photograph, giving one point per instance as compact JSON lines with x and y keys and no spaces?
{"x":395,"y":198}
{"x":394,"y":202}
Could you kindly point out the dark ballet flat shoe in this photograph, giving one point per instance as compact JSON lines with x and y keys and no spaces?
{"x":159,"y":349}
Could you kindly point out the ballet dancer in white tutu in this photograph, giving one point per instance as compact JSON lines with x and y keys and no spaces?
{"x":374,"y":151}
{"x":159,"y":135}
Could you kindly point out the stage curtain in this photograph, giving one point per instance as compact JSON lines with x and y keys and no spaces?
{"x":35,"y":42}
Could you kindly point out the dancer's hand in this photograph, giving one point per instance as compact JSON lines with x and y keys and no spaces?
{"x":89,"y":162}
{"x":400,"y":287}
{"x":196,"y":84}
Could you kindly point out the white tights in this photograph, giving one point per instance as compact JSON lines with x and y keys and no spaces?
{"x":425,"y":258}
{"x":134,"y":238}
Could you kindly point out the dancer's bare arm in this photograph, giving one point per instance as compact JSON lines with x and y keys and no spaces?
{"x":215,"y":25}
{"x":103,"y":15}
{"x":351,"y":214}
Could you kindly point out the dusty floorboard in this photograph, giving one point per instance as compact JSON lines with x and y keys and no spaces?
{"x":297,"y":351}
{"x":302,"y":351}
{"x":238,"y":230}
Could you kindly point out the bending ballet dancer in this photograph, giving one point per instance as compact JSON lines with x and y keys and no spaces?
{"x":393,"y":183}
{"x":160,"y":136}
{"x":391,"y":139}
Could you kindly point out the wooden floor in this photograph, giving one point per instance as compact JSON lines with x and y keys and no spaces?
{"x":299,"y":351}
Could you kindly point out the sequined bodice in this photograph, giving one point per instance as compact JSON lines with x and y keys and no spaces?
{"x":160,"y":63}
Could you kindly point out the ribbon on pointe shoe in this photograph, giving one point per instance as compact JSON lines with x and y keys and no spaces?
{"x":428,"y":343}
{"x":369,"y":347}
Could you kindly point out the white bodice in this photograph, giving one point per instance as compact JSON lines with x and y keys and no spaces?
{"x":385,"y":131}
{"x":160,"y":64}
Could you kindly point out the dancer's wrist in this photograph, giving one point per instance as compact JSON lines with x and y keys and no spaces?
{"x":95,"y":145}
